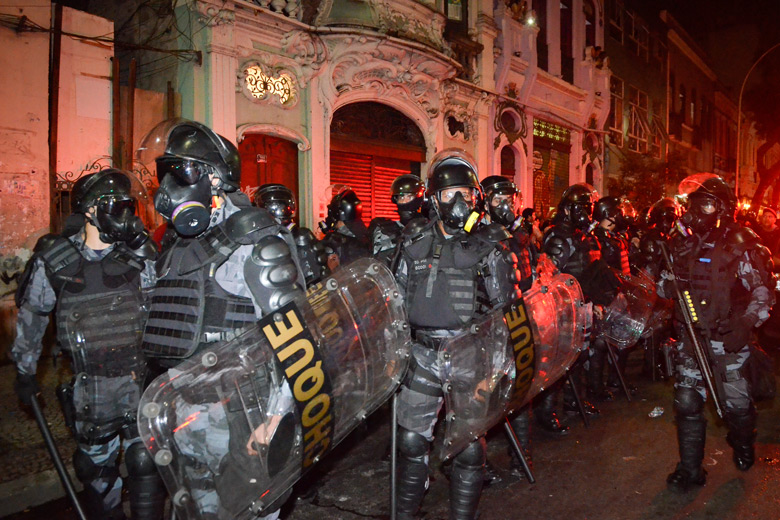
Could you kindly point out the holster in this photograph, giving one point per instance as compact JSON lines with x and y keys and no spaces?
{"x":64,"y":394}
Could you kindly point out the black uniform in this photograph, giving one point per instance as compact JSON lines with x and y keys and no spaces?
{"x":724,"y":267}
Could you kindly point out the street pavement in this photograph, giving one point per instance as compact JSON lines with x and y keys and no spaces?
{"x":613,"y":470}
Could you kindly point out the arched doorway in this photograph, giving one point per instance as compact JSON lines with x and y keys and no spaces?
{"x":372,"y":144}
{"x":268,"y":159}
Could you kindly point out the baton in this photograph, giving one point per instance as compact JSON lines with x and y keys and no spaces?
{"x":55,"y":456}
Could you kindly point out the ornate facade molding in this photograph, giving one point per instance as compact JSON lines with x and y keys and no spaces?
{"x":277,"y":85}
{"x":211,"y":15}
{"x":387,"y":70}
{"x":409,"y":20}
{"x":274,"y":130}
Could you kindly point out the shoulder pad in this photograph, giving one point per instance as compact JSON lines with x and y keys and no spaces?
{"x":59,"y":253}
{"x":246,"y":226}
{"x":416,"y":226}
{"x":493,"y":233}
{"x":239,"y":198}
{"x":45,"y":242}
{"x":304,"y":236}
{"x":742,"y":237}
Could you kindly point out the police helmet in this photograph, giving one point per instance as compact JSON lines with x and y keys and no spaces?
{"x":278,"y":199}
{"x":89,"y":188}
{"x":345,"y":206}
{"x":607,"y":208}
{"x":407,"y":184}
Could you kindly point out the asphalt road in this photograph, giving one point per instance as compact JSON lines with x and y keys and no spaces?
{"x":613,"y":470}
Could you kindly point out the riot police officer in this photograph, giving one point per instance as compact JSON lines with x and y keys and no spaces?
{"x":230,"y":263}
{"x":576,"y":252}
{"x":451,"y":272}
{"x":724,"y":267}
{"x":92,"y":278}
{"x":346,"y":236}
{"x":279,"y":200}
{"x":408,"y":194}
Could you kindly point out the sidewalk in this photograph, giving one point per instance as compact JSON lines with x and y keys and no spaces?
{"x":27,"y":475}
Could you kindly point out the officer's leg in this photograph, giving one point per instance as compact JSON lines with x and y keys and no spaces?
{"x":412,"y":472}
{"x":521,"y":424}
{"x":466,"y":482}
{"x":739,"y":414}
{"x":544,"y":411}
{"x":691,"y":432}
{"x":96,"y":467}
{"x":595,"y":374}
{"x":145,"y":487}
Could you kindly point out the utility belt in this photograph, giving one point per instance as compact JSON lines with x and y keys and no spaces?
{"x":92,"y":433}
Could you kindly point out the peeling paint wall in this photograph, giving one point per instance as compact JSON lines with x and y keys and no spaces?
{"x":24,"y":128}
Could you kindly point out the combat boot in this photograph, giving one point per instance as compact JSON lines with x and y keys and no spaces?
{"x":466,"y":483}
{"x":546,"y":417}
{"x":691,"y":432}
{"x":742,"y":437}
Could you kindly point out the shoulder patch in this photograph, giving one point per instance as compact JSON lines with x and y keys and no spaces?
{"x":247,"y":226}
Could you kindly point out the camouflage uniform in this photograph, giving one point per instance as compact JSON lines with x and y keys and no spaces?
{"x":39,"y":299}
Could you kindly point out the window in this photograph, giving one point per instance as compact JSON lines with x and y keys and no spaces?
{"x":616,"y":111}
{"x":693,"y":107}
{"x":615,"y":15}
{"x":590,"y":23}
{"x":681,"y":103}
{"x":659,"y":53}
{"x":261,"y":86}
{"x":638,"y":36}
{"x":638,"y":126}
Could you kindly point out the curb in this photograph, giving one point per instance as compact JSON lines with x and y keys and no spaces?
{"x":33,"y":490}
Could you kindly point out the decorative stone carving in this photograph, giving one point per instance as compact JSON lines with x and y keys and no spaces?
{"x":509,"y":111}
{"x":388,"y":69}
{"x":263,"y":84}
{"x":308,"y":51}
{"x":212,"y":15}
{"x":408,"y":20}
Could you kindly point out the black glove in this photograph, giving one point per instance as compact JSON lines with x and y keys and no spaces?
{"x":26,"y":386}
{"x":736,"y":333}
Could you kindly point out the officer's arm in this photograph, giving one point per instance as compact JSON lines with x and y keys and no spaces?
{"x":557,"y":249}
{"x":36,"y":299}
{"x":270,"y":272}
{"x":755,"y":274}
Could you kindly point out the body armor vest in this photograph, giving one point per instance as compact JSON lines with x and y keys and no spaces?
{"x":188,"y":307}
{"x":100,"y":315}
{"x":614,"y":250}
{"x":445,"y":288}
{"x":709,"y":271}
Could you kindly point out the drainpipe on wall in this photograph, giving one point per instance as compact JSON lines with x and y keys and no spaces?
{"x":116,"y":149}
{"x":129,"y":147}
{"x":54,"y":105}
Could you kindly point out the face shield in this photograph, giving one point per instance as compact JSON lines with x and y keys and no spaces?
{"x":456,"y":205}
{"x":702,"y":214}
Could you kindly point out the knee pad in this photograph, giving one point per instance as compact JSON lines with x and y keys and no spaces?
{"x":688,"y":401}
{"x":139,"y":461}
{"x":411,"y":444}
{"x":473,"y":456}
{"x":87,"y":471}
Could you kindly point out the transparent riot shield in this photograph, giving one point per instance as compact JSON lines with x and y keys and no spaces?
{"x":627,"y":316}
{"x":104,"y":339}
{"x":234,"y":427}
{"x":510,"y":356}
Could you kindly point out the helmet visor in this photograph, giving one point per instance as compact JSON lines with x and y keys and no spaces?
{"x":113,"y":205}
{"x":184,"y":170}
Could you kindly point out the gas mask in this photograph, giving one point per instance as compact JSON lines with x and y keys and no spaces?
{"x":116,"y":220}
{"x":702,"y":215}
{"x":503,"y":213}
{"x":454,"y":214}
{"x":579,"y":214}
{"x":184,"y":195}
{"x":409,"y":210}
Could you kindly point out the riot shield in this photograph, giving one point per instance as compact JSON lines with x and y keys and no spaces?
{"x":510,"y":356}
{"x":104,"y":339}
{"x":236,"y":425}
{"x":627,"y":316}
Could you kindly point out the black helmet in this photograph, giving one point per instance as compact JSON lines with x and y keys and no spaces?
{"x":278,"y":199}
{"x":664,"y":213}
{"x":408,"y":184}
{"x":578,"y":200}
{"x":89,"y":188}
{"x":505,"y":212}
{"x":712,"y":202}
{"x":345,"y":207}
{"x":607,"y":208}
{"x":193,"y":149}
{"x":453,"y":169}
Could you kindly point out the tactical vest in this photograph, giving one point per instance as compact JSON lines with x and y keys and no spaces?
{"x":445,"y":287}
{"x":100,"y":315}
{"x":709,"y":271}
{"x":188,"y":308}
{"x":614,"y":250}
